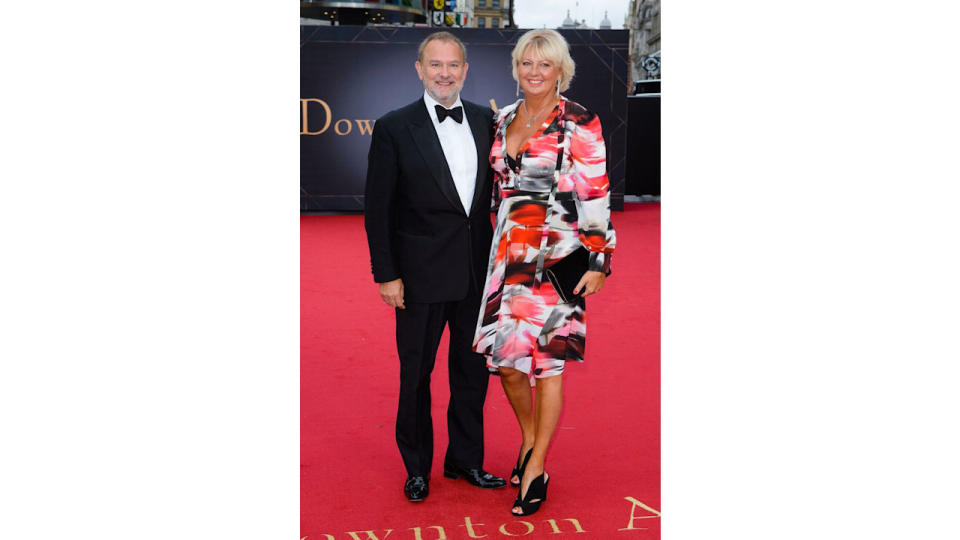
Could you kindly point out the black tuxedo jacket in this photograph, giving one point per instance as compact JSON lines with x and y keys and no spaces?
{"x":417,"y":229}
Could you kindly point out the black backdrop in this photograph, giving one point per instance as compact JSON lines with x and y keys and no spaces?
{"x":352,"y":75}
{"x":643,"y":134}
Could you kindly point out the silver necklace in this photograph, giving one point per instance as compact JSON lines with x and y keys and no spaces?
{"x":530,"y":119}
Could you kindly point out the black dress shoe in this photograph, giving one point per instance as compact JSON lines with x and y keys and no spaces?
{"x":477,"y":477}
{"x":416,"y":488}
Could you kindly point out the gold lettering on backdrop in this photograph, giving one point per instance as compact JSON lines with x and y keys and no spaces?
{"x":556,"y":530}
{"x":443,"y":534}
{"x":341,"y":127}
{"x":470,"y":525}
{"x":503,"y":528}
{"x":370,"y":535}
{"x":336,"y":127}
{"x":304,"y":116}
{"x":633,"y":509}
{"x":364,"y":126}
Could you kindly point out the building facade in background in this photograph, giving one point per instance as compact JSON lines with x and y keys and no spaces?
{"x":493,"y":13}
{"x":605,"y":24}
{"x":643,"y":20}
{"x":570,"y":23}
{"x":573,"y":24}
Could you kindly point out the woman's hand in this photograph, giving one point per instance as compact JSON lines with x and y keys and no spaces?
{"x":590,"y":283}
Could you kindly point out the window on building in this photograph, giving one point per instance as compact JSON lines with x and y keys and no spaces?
{"x":481,"y":3}
{"x":481,"y":22}
{"x":496,"y":3}
{"x":495,"y":23}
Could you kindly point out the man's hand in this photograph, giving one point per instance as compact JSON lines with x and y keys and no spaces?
{"x":392,"y":293}
{"x":590,"y":283}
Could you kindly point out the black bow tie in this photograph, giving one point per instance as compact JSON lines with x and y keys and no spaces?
{"x":456,"y":113}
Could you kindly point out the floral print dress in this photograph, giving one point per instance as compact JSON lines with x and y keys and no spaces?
{"x":523,"y":324}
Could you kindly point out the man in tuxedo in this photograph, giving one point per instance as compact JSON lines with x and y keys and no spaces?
{"x":427,"y":218}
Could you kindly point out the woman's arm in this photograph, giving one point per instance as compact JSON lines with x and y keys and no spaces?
{"x":588,"y":172}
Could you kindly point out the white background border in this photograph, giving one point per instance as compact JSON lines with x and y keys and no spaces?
{"x":150,"y":285}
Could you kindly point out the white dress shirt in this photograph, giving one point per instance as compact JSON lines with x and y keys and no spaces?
{"x":459,"y":148}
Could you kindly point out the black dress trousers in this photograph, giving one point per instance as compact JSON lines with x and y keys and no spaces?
{"x":419,"y":328}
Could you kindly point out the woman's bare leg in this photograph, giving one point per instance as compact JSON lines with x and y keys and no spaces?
{"x":549,"y":404}
{"x":516,"y":385}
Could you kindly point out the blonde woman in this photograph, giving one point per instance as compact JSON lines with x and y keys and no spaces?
{"x":551,"y":185}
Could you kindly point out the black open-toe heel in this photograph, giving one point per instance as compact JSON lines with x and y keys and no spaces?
{"x":536,"y":494}
{"x":518,"y":470}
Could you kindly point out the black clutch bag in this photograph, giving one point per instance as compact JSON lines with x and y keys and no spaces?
{"x":566,"y":273}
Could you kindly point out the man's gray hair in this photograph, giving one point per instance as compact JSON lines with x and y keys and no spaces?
{"x":443,"y":36}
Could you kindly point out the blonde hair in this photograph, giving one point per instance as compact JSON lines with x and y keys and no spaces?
{"x":550,"y":45}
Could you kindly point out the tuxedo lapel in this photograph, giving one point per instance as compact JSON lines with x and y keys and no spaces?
{"x":427,"y":141}
{"x":480,"y":126}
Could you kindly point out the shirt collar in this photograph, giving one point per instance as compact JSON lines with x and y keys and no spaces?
{"x":432,"y":103}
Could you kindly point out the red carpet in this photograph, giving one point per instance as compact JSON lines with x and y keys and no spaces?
{"x":604,"y":463}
